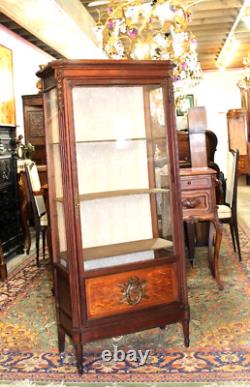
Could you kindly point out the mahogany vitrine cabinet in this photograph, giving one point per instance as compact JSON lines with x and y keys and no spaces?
{"x":118,"y":255}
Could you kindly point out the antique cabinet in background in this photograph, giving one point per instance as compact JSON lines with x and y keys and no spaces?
{"x":11,"y":238}
{"x":239,"y":138}
{"x":119,"y":264}
{"x":34,"y":131}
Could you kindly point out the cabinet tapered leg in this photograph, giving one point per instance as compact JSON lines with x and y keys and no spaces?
{"x":79,"y":358}
{"x":61,"y":339}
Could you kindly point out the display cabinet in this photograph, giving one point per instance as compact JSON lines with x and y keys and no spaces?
{"x":118,"y":253}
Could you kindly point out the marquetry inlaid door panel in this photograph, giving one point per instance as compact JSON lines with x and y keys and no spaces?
{"x":137,"y":289}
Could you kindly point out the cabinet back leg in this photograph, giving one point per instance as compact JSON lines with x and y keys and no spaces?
{"x":79,"y":358}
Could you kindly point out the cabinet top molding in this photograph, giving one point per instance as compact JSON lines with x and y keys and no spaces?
{"x":159,"y":69}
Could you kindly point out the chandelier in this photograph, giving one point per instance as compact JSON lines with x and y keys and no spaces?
{"x":245,"y":82}
{"x":150,"y":30}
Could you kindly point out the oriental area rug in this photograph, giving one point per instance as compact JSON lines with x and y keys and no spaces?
{"x":219,"y":352}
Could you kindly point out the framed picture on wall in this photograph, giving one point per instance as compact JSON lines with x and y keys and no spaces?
{"x":7,"y":101}
{"x":184,"y":104}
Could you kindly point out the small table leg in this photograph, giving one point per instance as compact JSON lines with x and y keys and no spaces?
{"x":190,"y":228}
{"x":215,"y":229}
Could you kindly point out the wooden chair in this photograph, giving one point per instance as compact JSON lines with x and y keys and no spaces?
{"x":228,"y":212}
{"x":38,"y":207}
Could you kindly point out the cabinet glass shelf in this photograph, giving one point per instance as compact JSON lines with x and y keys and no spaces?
{"x":121,"y":249}
{"x":101,"y":195}
{"x":125,"y":248}
{"x":157,"y":138}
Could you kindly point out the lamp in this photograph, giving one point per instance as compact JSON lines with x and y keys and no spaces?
{"x":156,"y":29}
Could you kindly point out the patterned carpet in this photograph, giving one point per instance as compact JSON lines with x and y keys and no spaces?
{"x":219,"y":332}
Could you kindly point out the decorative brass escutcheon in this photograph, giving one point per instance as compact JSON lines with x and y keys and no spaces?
{"x":133,"y":291}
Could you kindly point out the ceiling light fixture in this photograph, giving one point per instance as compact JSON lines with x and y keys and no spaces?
{"x":228,"y":53}
{"x":156,"y":29}
{"x":231,"y":45}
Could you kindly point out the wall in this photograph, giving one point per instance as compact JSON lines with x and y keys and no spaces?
{"x":26,"y":60}
{"x":218,"y":92}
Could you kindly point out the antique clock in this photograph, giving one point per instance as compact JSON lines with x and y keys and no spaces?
{"x":118,"y":252}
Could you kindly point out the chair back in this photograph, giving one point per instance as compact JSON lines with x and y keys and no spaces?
{"x":232,"y":170}
{"x":34,"y":185}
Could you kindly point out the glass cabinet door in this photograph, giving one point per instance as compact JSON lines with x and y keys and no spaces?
{"x":56,"y":204}
{"x":122,"y":169}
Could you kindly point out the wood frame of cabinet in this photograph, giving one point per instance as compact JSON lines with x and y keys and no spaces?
{"x":98,"y":303}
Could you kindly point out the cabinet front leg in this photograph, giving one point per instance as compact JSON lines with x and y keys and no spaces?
{"x":79,"y":357}
{"x":61,"y":339}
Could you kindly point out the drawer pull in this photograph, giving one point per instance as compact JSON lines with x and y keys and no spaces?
{"x":190,"y":203}
{"x":133,"y":291}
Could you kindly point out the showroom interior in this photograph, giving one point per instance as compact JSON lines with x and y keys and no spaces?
{"x":124,"y":193}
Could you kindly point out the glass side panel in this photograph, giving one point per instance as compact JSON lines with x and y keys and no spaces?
{"x":54,"y":166}
{"x":161,"y":163}
{"x":52,"y":116}
{"x":121,"y":146}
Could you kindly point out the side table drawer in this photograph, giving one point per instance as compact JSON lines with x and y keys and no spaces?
{"x":136,"y":289}
{"x":195,"y":182}
{"x":195,"y":202}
